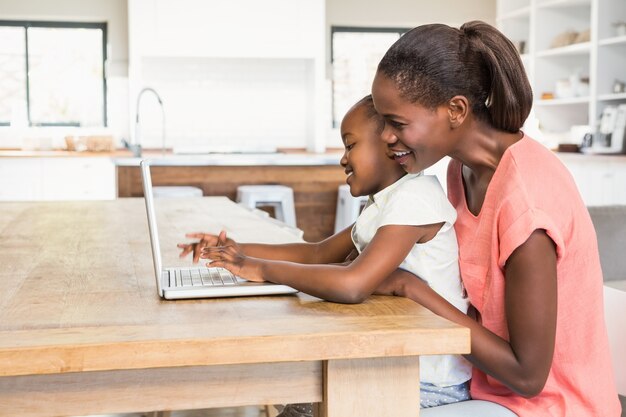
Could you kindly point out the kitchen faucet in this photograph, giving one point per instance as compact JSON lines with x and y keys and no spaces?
{"x":136,"y":146}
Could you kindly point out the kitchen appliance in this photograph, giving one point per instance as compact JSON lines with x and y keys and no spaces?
{"x":611,"y":135}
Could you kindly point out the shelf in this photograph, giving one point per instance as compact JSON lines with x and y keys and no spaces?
{"x":563,"y":101}
{"x":557,"y":4}
{"x":611,"y":97}
{"x":599,"y":58}
{"x":575,"y":49}
{"x":522,"y":12}
{"x":618,"y":40}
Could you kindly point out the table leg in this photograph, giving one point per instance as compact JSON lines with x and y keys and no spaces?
{"x":372,"y":387}
{"x":318,"y":410}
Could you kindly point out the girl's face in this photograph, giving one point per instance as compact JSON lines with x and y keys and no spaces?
{"x":365,"y":159}
{"x":417,"y":137}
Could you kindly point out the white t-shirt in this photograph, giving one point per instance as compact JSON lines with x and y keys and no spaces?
{"x":417,"y":200}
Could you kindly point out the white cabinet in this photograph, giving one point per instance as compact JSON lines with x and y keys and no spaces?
{"x":20,"y":179}
{"x":601,"y":59}
{"x":58,"y":178}
{"x":601,"y":180}
{"x":78,"y":179}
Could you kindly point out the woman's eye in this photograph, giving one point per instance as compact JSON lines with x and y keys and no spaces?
{"x":395,"y":125}
{"x":348,"y":147}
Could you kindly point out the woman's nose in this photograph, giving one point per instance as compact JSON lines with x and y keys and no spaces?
{"x":387,"y":135}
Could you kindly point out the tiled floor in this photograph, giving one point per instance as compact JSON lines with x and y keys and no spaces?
{"x":213,"y":412}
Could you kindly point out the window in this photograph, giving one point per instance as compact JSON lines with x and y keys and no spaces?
{"x":355,"y":54}
{"x":52,"y":73}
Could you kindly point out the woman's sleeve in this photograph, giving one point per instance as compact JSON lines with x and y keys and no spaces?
{"x":515,"y":225}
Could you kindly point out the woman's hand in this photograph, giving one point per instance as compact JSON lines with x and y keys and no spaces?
{"x":206,"y":240}
{"x":232,"y":258}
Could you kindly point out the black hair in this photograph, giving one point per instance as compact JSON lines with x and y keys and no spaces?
{"x":370,"y":111}
{"x":432,"y":63}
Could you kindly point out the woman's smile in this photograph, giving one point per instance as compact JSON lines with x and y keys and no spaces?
{"x":401,"y":157}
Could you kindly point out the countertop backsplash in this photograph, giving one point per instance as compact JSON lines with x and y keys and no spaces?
{"x":237,"y":103}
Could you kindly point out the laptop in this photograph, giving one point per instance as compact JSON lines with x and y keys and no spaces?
{"x":196,"y":282}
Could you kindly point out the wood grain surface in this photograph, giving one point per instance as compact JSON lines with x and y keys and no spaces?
{"x":79,"y":295}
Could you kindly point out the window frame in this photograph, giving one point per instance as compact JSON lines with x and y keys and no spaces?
{"x":353,"y":29}
{"x":61,"y":25}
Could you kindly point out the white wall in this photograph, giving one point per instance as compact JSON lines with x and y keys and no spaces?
{"x":408,"y":13}
{"x":226,"y":104}
{"x":390,"y":13}
{"x":400,"y":14}
{"x":115,"y":14}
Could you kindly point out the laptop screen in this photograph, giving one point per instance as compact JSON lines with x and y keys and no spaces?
{"x":164,"y":234}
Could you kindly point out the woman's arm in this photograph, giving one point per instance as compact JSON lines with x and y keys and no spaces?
{"x":340,"y":283}
{"x":522,"y":363}
{"x":331,"y":250}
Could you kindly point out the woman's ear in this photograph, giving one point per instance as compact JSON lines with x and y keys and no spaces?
{"x":458,"y":109}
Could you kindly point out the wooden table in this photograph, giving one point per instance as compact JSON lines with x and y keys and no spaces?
{"x":82,"y":330}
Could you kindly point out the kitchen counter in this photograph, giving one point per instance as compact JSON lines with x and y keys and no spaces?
{"x":580,"y":157}
{"x":287,"y":157}
{"x":123,"y":157}
{"x":58,"y":153}
{"x":239,"y":159}
{"x":314,"y":178}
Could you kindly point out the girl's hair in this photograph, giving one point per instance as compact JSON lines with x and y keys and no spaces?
{"x":432,"y":63}
{"x":368,"y":103}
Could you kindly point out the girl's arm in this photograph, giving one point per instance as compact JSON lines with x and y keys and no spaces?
{"x":331,"y":250}
{"x":340,"y":283}
{"x":522,"y":363}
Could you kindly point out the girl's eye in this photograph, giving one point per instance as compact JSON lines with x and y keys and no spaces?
{"x":348,"y":147}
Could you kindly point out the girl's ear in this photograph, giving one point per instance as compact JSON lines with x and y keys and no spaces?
{"x":458,"y":109}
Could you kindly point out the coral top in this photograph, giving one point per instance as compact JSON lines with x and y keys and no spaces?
{"x":530,"y":190}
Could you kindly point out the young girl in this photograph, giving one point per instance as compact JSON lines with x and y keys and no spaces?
{"x":407,"y":223}
{"x":527,"y":247}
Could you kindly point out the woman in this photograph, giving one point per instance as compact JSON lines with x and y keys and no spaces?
{"x":527,"y":248}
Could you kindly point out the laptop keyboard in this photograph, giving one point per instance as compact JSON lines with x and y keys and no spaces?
{"x":196,"y":277}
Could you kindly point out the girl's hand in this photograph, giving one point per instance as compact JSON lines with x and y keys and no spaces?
{"x":233,"y":259}
{"x":206,"y":239}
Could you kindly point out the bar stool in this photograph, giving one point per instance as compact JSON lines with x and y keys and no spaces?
{"x":176,"y":192}
{"x":348,"y":208}
{"x":278,"y":196}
